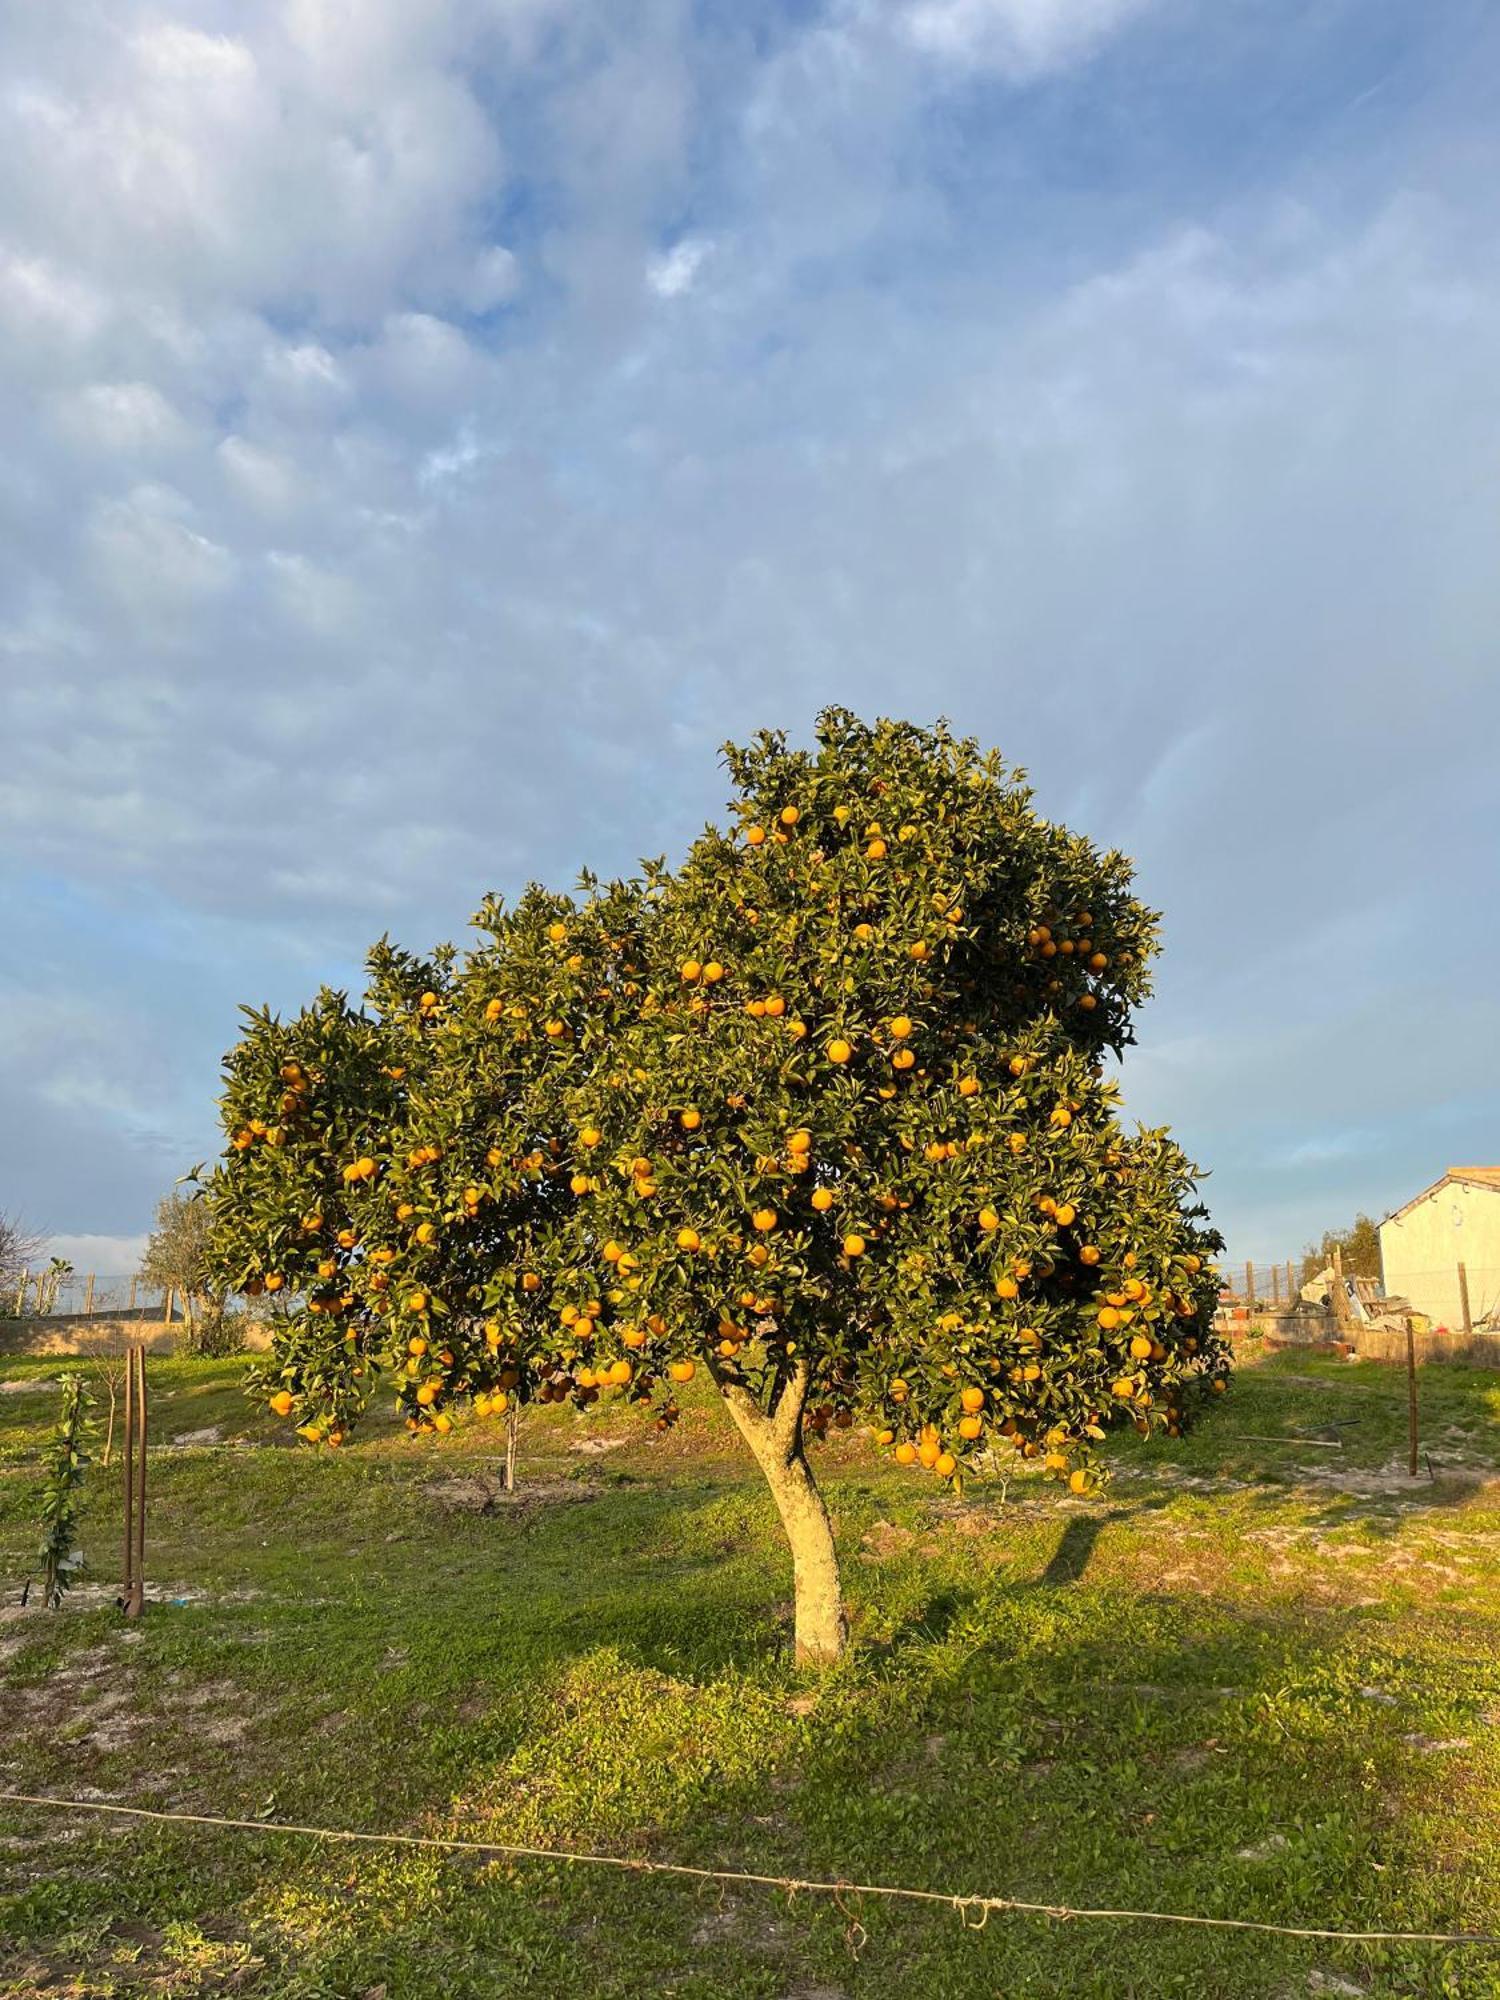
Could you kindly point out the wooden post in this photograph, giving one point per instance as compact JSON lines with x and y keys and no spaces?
{"x":1411,"y":1399}
{"x":1275,"y":1286}
{"x":1249,"y":1286}
{"x":1463,"y":1300}
{"x":127,"y":1575}
{"x":1291,"y":1284}
{"x":88,"y":1297}
{"x":140,"y":1536}
{"x":21,"y":1294}
{"x":133,"y":1283}
{"x":133,"y":1597}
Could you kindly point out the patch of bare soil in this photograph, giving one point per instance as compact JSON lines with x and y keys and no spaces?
{"x":473,"y":1493}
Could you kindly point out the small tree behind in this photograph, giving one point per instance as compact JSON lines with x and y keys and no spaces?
{"x":19,"y":1249}
{"x":1358,"y":1246}
{"x":178,"y":1258}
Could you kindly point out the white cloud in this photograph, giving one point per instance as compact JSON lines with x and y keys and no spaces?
{"x":1020,"y":39}
{"x":129,"y":418}
{"x":332,"y":595}
{"x":675,"y":271}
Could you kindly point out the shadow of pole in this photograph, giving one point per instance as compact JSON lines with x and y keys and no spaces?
{"x":1075,"y":1545}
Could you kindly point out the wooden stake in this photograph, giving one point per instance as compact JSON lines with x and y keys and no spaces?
{"x":127,"y":1577}
{"x":133,"y":1596}
{"x":21,"y":1294}
{"x":1291,"y":1284}
{"x":88,"y":1297}
{"x":1249,"y":1286}
{"x":133,"y":1283}
{"x":1275,"y":1286}
{"x":1463,"y":1300}
{"x":1411,"y":1400}
{"x":140,"y":1536}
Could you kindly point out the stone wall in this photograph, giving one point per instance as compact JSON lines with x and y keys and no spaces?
{"x":105,"y":1333}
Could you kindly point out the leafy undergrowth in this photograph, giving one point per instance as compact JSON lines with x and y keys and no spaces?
{"x":1257,"y":1676}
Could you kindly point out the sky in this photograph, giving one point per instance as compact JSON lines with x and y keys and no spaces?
{"x":428,"y":432}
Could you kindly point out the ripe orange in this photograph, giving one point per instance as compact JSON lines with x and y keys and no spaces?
{"x":713,"y":972}
{"x":968,"y":1086}
{"x":822,"y":1199}
{"x":905,"y":1453}
{"x":688,"y":1239}
{"x":763,"y":1219}
{"x":946,"y":1465}
{"x":839,"y":1051}
{"x":972,"y":1399}
{"x":281,"y":1403}
{"x":775,"y":1006}
{"x":754,"y":835}
{"x":1007,"y":1288}
{"x":682,"y":1371}
{"x":691,"y":970}
{"x":854,"y":1245}
{"x":790,"y":815}
{"x":969,"y":1428}
{"x":921,"y":950}
{"x":1088,"y":1254}
{"x":690,"y":1120}
{"x":988,"y":1219}
{"x":799,"y":1142}
{"x":875,"y":850}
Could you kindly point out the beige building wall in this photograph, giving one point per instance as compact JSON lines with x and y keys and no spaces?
{"x":1420,"y":1251}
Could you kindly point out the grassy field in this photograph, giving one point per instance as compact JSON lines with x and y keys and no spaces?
{"x":1257,"y":1677}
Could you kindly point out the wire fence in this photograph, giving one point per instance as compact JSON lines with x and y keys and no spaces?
{"x":49,"y":1294}
{"x":1459,"y":1297}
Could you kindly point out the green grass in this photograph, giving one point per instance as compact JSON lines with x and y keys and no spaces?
{"x":1252,"y":1678}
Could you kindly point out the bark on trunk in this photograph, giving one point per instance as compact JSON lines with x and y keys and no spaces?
{"x":776,"y":1441}
{"x":512,"y":1434}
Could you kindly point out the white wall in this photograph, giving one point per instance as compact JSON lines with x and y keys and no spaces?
{"x":1421,"y":1250}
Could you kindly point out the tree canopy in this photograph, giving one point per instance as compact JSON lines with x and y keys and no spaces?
{"x":822,"y":1111}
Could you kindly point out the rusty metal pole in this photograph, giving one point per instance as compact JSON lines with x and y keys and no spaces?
{"x":139,"y":1601}
{"x":127,"y":1579}
{"x":1411,"y":1399}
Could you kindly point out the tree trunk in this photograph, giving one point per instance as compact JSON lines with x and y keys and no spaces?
{"x":776,"y":1441}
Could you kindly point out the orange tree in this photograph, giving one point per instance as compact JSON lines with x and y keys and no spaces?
{"x":822,"y":1112}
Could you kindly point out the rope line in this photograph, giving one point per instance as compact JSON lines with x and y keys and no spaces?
{"x":967,"y":1908}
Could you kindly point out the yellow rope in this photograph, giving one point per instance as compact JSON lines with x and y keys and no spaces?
{"x":965,"y":1907}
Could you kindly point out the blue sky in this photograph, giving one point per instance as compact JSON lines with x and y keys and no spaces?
{"x":428,"y":432}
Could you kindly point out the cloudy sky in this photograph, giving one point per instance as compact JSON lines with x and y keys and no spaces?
{"x":430,"y":430}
